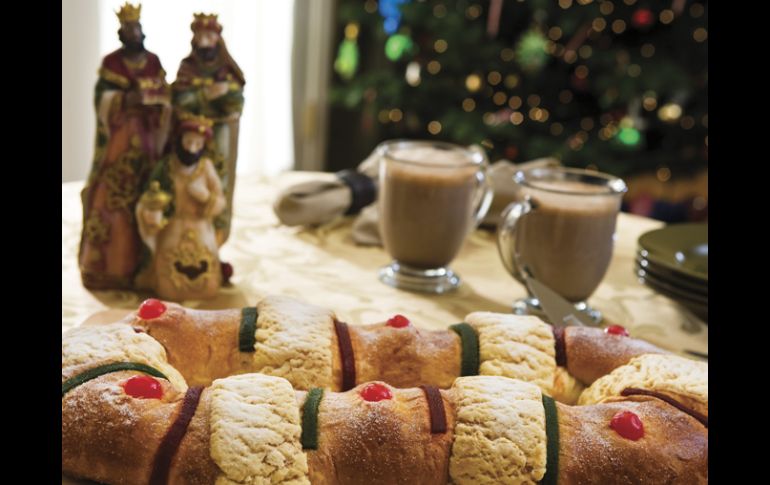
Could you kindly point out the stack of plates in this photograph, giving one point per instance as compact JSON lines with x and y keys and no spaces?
{"x":674,"y":262}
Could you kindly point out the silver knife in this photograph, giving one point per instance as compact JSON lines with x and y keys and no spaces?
{"x":559,"y":311}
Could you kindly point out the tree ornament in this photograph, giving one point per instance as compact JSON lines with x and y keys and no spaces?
{"x":670,"y":112}
{"x":397,"y":45}
{"x":629,"y":136}
{"x":493,"y":21}
{"x":391,"y":12}
{"x":642,"y":18}
{"x":413,"y":73}
{"x":346,"y":63}
{"x":531,"y":54}
{"x":473,"y":82}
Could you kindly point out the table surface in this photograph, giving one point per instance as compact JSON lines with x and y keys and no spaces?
{"x":324,"y":266}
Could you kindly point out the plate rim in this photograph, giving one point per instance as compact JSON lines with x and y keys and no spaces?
{"x":657,"y":258}
{"x":684,"y":284}
{"x":675,"y":293}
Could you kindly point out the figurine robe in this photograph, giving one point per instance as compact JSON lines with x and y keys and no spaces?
{"x":184,"y":261}
{"x":130,"y":138}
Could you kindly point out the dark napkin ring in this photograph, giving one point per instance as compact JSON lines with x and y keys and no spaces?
{"x":362,"y":190}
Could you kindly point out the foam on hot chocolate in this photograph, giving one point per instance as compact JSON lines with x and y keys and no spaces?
{"x":440,"y":166}
{"x":572,"y":195}
{"x":431,"y":155}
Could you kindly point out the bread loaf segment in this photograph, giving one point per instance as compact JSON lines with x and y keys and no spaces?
{"x":298,"y":341}
{"x":684,"y":380}
{"x":405,"y":357}
{"x":109,"y":436}
{"x":592,"y":352}
{"x":673,"y":450}
{"x":246,"y":431}
{"x":202,"y":344}
{"x":519,"y":347}
{"x":379,"y":443}
{"x":294,"y":341}
{"x":103,"y":344}
{"x":499,"y":433}
{"x":255,"y":431}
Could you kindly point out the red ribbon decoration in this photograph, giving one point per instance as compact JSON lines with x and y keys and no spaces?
{"x":435,"y":408}
{"x":346,"y":355}
{"x":170,"y":443}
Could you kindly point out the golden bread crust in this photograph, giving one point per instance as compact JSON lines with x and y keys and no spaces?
{"x":592,"y":353}
{"x":384,"y":442}
{"x":673,"y":450}
{"x":405,"y":357}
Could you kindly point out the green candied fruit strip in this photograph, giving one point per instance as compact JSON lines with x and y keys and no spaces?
{"x":470,"y":349}
{"x":552,"y":440}
{"x":86,"y":376}
{"x":247,"y":335}
{"x":310,"y":419}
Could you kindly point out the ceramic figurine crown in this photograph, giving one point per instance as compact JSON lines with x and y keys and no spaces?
{"x":129,"y":13}
{"x":198,"y":123}
{"x":206,"y":22}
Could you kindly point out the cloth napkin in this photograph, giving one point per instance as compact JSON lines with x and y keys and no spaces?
{"x":351,"y":192}
{"x":320,"y":201}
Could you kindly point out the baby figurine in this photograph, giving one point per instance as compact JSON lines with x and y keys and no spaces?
{"x":176,"y":215}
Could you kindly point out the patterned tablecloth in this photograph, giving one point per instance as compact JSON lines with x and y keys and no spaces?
{"x":323,"y":266}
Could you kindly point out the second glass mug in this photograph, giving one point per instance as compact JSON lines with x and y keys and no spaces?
{"x":431,"y":196}
{"x":561,"y":232}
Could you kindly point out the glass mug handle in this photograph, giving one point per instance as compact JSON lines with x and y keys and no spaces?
{"x":484,"y":188}
{"x":506,"y":235}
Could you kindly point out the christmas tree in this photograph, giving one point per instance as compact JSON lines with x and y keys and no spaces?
{"x":618,"y":86}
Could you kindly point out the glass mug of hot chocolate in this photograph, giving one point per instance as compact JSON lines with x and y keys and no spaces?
{"x":561,"y":232}
{"x":431,"y":196}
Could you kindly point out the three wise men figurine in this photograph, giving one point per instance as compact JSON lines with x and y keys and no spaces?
{"x":133,"y":111}
{"x":210,"y":83}
{"x":176,"y":216}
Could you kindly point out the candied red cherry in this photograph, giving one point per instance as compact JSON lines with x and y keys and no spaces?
{"x":375,"y":392}
{"x":151,"y":308}
{"x":143,"y":387}
{"x":617,"y":330}
{"x":398,"y":321}
{"x":627,"y":425}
